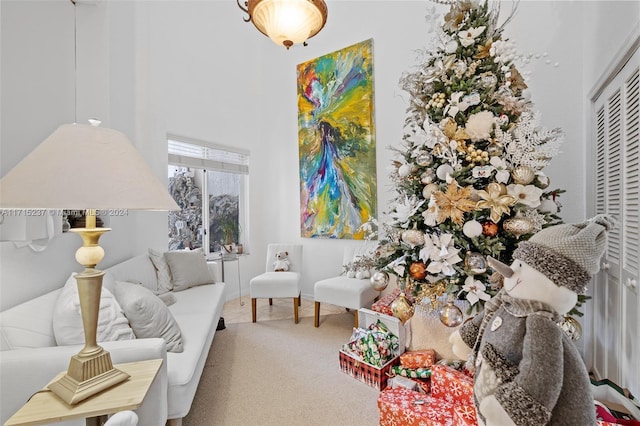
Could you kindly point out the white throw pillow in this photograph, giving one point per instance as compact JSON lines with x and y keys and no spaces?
{"x":67,"y":318}
{"x":162,"y":270}
{"x":148,"y":315}
{"x":188,"y":269}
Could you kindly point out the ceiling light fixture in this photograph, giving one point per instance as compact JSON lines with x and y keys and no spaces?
{"x":286,"y":22}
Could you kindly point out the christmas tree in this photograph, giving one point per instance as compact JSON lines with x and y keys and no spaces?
{"x":468,"y":178}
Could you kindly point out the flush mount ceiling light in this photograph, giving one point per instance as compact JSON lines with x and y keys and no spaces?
{"x":286,"y":22}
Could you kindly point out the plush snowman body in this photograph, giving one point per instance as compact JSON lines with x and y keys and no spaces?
{"x":527,"y":371}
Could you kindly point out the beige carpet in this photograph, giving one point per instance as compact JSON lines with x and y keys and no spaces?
{"x":280,"y":373}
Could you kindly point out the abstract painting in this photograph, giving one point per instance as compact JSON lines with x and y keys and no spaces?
{"x":336,"y":143}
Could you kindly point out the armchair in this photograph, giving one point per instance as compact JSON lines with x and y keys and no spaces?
{"x":271,"y":284}
{"x":351,"y":293}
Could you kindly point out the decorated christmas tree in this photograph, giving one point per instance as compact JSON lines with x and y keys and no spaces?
{"x":468,"y":178}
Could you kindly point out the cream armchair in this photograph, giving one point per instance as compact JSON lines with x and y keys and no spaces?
{"x":349,"y":292}
{"x":271,"y":284}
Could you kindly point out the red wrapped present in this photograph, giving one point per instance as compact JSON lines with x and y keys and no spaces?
{"x":464,"y":415}
{"x":410,"y":408}
{"x":418,"y":359}
{"x":451,"y":385}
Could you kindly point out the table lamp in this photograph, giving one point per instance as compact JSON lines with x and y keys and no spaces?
{"x":85,"y":167}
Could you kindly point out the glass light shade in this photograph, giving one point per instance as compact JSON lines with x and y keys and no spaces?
{"x":288,"y":22}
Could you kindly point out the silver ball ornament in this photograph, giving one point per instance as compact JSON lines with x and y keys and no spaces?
{"x":379,"y":280}
{"x":451,"y":315}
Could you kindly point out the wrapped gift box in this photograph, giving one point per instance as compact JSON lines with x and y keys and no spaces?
{"x":410,"y":408}
{"x":464,"y":415}
{"x":418,"y":385}
{"x":374,"y":376}
{"x":383,"y":305}
{"x":418,"y":359}
{"x":451,"y":385}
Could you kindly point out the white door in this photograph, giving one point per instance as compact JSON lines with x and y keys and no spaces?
{"x":616,"y":158}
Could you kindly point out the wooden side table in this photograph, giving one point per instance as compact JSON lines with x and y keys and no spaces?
{"x":45,"y":407}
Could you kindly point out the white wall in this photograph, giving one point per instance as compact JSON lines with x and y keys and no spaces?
{"x":194,"y":68}
{"x":39,"y":82}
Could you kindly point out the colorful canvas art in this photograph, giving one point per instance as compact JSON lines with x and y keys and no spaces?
{"x":336,"y":140}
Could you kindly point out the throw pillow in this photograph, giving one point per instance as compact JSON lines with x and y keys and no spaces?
{"x":188,"y":269}
{"x":162,"y":271}
{"x":67,"y":318}
{"x":148,"y":315}
{"x":168,"y":298}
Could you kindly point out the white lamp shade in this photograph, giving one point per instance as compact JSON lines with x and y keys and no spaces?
{"x":84,"y":167}
{"x":293,"y":20}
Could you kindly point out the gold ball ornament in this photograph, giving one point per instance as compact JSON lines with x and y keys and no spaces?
{"x":379,"y":280}
{"x":402,"y":308}
{"x":427,"y":176}
{"x":429,"y":190}
{"x":424,"y":159}
{"x":489,"y":228}
{"x":523,"y":175}
{"x":494,"y":149}
{"x":451,"y":315}
{"x":571,"y":328}
{"x":542,"y":181}
{"x":518,"y":225}
{"x":475,"y":263}
{"x":418,"y":270}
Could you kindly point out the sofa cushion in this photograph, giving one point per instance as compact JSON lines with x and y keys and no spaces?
{"x":139,"y":270}
{"x":148,"y":315}
{"x":28,"y":325}
{"x":162,"y":271}
{"x":67,"y":317}
{"x":197,"y":312}
{"x":188,"y":269}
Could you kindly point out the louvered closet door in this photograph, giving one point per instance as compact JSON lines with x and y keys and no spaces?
{"x":616,"y":332}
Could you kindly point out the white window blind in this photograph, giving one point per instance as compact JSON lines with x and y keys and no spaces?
{"x":188,"y":152}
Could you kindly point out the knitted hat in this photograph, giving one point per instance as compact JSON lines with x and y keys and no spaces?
{"x":567,"y":254}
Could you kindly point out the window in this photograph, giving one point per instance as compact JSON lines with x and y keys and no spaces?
{"x":210,"y":183}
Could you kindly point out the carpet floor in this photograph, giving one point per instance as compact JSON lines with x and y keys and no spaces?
{"x":280,"y":373}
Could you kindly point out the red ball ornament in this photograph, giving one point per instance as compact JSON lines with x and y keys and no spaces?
{"x":418,"y":270}
{"x":489,"y":229}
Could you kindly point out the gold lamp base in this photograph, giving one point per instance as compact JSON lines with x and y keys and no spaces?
{"x":87,"y":377}
{"x":90,"y":370}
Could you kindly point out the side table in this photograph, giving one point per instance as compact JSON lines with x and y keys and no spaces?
{"x":45,"y":407}
{"x":233,"y":257}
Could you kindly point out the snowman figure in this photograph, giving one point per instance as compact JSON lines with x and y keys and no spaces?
{"x":527,"y":371}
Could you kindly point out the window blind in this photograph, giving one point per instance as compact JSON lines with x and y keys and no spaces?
{"x":188,"y":152}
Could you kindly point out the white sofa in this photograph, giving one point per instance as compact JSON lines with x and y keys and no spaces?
{"x":29,"y":357}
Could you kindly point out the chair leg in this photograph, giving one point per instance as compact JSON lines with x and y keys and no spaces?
{"x":270,"y":301}
{"x":299,"y":298}
{"x":355,"y":316}
{"x":316,"y":315}
{"x":296,"y":303}
{"x":253,"y":309}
